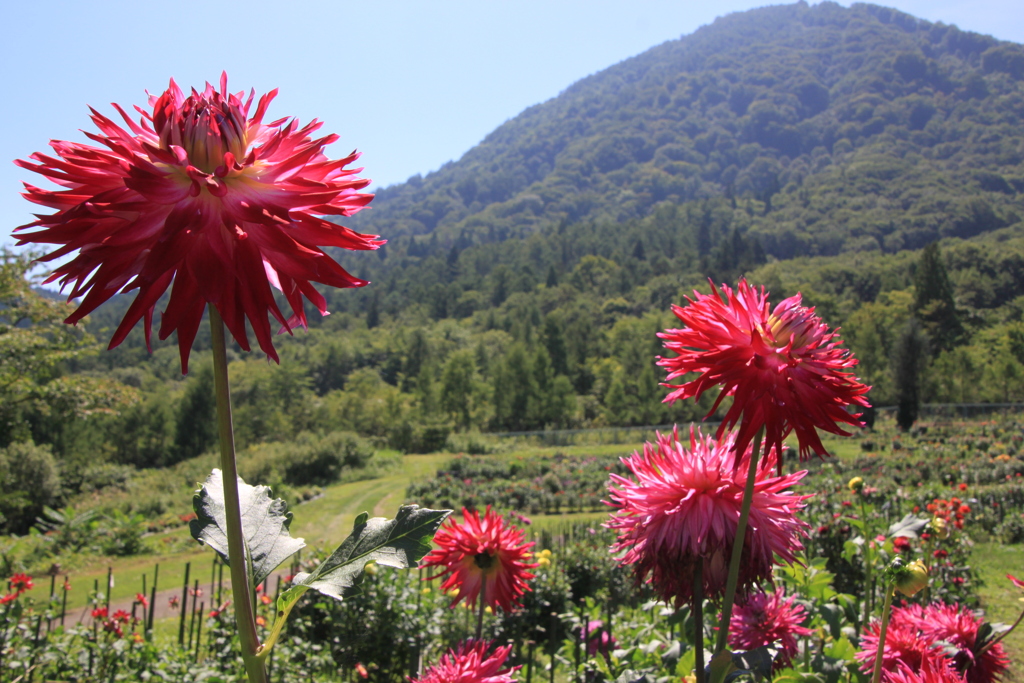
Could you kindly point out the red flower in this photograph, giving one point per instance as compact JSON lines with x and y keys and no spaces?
{"x":479,"y":549}
{"x":901,"y":544}
{"x":904,"y":644}
{"x":946,"y":632}
{"x":784,"y":369}
{"x":173,"y":601}
{"x":99,"y":613}
{"x":202,"y":194}
{"x":931,"y":671}
{"x":469,"y":664}
{"x":361,"y":670}
{"x":683,"y":509}
{"x":142,"y":599}
{"x":958,"y":627}
{"x":9,"y":597}
{"x":1015,"y":581}
{"x":769,"y":619}
{"x":21,"y":583}
{"x":121,"y":616}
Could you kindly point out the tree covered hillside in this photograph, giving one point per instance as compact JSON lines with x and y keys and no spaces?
{"x":843,"y":129}
{"x":869,"y":160}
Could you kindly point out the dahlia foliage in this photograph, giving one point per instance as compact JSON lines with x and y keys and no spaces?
{"x":469,"y":663}
{"x":482,"y":555}
{"x":937,"y":635}
{"x":682,"y":509}
{"x":202,"y":193}
{"x":784,"y":369}
{"x":765,"y":619}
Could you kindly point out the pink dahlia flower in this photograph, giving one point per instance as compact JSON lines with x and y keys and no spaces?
{"x":784,"y":368}
{"x":482,"y":554}
{"x":683,"y":509}
{"x":597,"y":638}
{"x":931,"y":671}
{"x":469,"y":663}
{"x":946,"y":632}
{"x":904,"y":644}
{"x":765,"y":619}
{"x":202,"y":193}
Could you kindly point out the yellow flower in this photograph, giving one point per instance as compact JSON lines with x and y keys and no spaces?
{"x":855,"y":484}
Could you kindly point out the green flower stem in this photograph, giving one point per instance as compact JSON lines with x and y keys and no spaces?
{"x":869,"y":565}
{"x":737,"y":546}
{"x":698,"y":622}
{"x":480,"y":614}
{"x":876,"y":675}
{"x":241,"y":591}
{"x":264,"y":650}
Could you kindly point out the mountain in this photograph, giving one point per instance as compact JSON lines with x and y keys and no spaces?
{"x":835,"y":129}
{"x":814,"y":150}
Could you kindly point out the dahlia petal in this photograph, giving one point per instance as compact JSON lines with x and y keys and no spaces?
{"x":142,"y":306}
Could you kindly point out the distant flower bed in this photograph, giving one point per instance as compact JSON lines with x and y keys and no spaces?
{"x":537,"y":485}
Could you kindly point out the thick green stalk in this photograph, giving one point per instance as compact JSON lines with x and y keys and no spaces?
{"x":876,"y":675}
{"x":241,"y":591}
{"x":737,"y":546}
{"x":480,"y":614}
{"x":698,"y":621}
{"x":869,"y":565}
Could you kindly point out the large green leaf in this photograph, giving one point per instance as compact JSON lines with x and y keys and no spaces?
{"x":909,"y":526}
{"x":400,"y":542}
{"x":265,"y":523}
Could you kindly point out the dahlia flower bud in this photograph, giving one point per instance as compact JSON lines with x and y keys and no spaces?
{"x":855,"y":485}
{"x":939,"y":527}
{"x":908,"y":578}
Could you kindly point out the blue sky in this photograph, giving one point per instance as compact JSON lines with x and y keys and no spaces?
{"x":412,"y":85}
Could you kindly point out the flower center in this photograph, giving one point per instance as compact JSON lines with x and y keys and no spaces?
{"x":484,"y":561}
{"x":207,"y":126}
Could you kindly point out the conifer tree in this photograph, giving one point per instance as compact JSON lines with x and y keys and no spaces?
{"x":908,"y":361}
{"x":933,"y":300}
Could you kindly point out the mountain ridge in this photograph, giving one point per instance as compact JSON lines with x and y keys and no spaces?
{"x":741,"y":107}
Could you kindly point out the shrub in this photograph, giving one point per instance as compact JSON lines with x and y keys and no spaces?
{"x":29,"y":481}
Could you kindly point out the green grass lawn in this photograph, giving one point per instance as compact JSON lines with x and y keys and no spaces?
{"x":1000,"y":598}
{"x":323,"y":521}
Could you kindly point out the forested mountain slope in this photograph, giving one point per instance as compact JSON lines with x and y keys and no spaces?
{"x":845,"y":129}
{"x":869,"y":160}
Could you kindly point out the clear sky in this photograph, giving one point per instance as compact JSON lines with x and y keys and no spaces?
{"x":411,"y":84}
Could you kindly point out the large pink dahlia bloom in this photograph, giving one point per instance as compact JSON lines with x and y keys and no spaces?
{"x":946,"y":632}
{"x":683,"y":509}
{"x":783,"y":368}
{"x":482,"y":554}
{"x":469,"y":663}
{"x":202,"y":194}
{"x":767,"y":618}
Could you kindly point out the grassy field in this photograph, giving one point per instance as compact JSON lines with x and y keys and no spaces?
{"x":1003,"y":601}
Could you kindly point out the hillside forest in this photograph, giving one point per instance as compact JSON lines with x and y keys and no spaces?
{"x":870,"y":161}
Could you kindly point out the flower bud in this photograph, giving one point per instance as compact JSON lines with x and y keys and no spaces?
{"x":856,"y":484}
{"x":939,"y":526}
{"x":910,"y":578}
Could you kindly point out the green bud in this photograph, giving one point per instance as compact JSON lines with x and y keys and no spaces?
{"x":907,"y":578}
